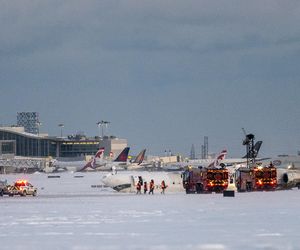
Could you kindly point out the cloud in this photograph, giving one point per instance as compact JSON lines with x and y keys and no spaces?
{"x":145,"y":62}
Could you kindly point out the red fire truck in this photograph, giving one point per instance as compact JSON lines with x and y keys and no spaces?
{"x":256,"y":178}
{"x":205,"y":180}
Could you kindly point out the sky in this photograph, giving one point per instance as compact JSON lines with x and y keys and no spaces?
{"x":163,"y":73}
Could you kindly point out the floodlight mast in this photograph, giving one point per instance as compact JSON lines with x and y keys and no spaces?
{"x":101,"y":125}
{"x":61,"y":125}
{"x":249,"y":142}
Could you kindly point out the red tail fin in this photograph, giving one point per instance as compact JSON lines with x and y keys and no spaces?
{"x":92,"y":162}
{"x":220,"y":157}
{"x":140,"y":157}
{"x":123,"y":155}
{"x":99,"y":153}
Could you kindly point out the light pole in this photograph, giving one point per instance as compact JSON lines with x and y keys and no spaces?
{"x":101,"y":124}
{"x":61,"y":125}
{"x":99,"y":128}
{"x":38,"y":124}
{"x":38,"y":139}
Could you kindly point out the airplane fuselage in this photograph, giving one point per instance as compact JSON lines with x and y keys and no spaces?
{"x":126,"y":182}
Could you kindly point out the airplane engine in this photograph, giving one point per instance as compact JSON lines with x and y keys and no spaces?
{"x":291,"y":178}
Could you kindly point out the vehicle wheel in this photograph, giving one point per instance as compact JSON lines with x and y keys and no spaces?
{"x":24,"y":193}
{"x":34,"y":193}
{"x":1,"y":192}
{"x":248,"y":186}
{"x":11,"y":195}
{"x":199,"y":188}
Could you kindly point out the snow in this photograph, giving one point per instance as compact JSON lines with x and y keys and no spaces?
{"x":79,"y":214}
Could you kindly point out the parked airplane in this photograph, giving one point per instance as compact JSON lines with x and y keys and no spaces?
{"x":119,"y":162}
{"x":77,"y":166}
{"x":243,"y":160}
{"x":196,"y":163}
{"x":138,"y":161}
{"x":231,"y":163}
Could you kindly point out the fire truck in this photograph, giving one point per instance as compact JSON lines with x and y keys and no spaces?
{"x":205,"y":180}
{"x":256,"y":178}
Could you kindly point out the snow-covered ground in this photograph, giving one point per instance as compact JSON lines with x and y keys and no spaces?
{"x":71,"y":213}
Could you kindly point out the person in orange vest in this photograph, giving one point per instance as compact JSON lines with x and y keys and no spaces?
{"x":138,"y":187}
{"x":151,"y":186}
{"x":163,"y":187}
{"x":145,"y":187}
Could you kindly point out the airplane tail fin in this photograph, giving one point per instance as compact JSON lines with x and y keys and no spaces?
{"x":256,"y":149}
{"x":92,"y":162}
{"x":140,"y":157}
{"x":220,"y":157}
{"x":123,"y":155}
{"x":99,"y":153}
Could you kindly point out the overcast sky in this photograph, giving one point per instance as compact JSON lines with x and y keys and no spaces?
{"x":164,"y":73}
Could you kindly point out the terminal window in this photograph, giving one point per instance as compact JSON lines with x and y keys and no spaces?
{"x":7,"y":147}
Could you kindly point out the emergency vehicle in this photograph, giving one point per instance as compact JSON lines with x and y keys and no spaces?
{"x":205,"y":180}
{"x":256,"y":178}
{"x":21,"y":187}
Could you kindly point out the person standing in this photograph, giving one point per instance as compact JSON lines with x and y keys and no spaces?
{"x":151,"y":187}
{"x":163,"y":187}
{"x":138,"y":187}
{"x":145,"y":187}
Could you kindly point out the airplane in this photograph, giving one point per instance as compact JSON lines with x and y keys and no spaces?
{"x":120,"y":162}
{"x":138,"y":162}
{"x":243,"y":160}
{"x":208,"y":162}
{"x":77,"y":166}
{"x":126,"y":181}
{"x":196,"y":163}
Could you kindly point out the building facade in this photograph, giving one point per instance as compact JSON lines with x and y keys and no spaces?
{"x":15,"y":141}
{"x":29,"y":120}
{"x":112,"y":145}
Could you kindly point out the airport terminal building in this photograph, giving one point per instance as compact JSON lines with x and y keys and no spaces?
{"x":14,"y":141}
